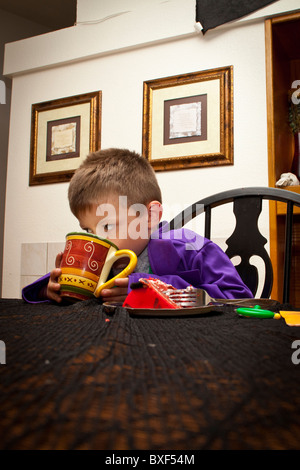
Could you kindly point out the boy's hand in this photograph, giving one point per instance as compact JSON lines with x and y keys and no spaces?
{"x":53,"y":286}
{"x":118,"y":292}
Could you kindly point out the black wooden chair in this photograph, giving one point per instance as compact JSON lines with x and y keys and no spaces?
{"x":246,"y":239}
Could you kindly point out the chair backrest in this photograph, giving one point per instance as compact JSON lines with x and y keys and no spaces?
{"x":246,"y":239}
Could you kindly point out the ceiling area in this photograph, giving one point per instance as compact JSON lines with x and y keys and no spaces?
{"x":54,"y":14}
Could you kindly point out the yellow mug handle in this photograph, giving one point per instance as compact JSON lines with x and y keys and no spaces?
{"x":126,"y":271}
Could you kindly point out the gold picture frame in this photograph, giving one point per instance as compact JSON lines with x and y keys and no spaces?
{"x":188,"y":120}
{"x":63,"y":133}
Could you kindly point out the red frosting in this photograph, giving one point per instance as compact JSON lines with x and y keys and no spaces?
{"x":150,"y":293}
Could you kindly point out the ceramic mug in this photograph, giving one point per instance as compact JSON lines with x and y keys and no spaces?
{"x":86,"y":264}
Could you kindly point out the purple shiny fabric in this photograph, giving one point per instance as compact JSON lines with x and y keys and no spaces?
{"x":184,"y":258}
{"x":31,"y":293}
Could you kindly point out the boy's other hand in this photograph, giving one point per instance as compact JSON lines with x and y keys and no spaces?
{"x":53,"y":287}
{"x":118,"y":292}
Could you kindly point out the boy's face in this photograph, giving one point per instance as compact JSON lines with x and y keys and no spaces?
{"x":128,"y":228}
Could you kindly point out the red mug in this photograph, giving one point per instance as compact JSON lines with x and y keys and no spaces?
{"x":86,"y":264}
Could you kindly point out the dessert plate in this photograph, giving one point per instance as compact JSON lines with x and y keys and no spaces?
{"x":214,"y":306}
{"x":110,"y":307}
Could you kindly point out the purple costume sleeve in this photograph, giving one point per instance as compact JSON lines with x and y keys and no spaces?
{"x":31,"y":293}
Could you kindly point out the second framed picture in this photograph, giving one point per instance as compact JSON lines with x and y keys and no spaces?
{"x":188,"y":120}
{"x":63,"y":133}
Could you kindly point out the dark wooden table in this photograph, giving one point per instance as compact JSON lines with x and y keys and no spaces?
{"x":78,"y":378}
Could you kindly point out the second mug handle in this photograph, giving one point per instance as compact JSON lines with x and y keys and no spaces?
{"x":126,"y":271}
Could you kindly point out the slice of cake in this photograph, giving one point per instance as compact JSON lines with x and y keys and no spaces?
{"x":150,"y":293}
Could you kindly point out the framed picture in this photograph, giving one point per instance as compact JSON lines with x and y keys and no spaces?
{"x":188,"y":120}
{"x":63,"y":133}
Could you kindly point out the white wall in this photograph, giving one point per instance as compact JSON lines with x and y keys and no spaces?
{"x":41,"y":213}
{"x":12,"y":28}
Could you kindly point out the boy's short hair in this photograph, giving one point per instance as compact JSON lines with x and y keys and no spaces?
{"x":113,"y":172}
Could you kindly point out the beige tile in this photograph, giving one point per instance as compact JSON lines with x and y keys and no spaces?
{"x":53,"y":249}
{"x":33,"y":259}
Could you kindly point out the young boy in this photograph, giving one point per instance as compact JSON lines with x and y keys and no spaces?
{"x":115,"y":195}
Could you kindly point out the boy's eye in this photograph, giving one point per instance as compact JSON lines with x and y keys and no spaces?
{"x":108,"y":227}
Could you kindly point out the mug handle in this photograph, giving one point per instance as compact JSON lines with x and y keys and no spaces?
{"x":126,"y":271}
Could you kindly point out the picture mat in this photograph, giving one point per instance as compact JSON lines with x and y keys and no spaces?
{"x":209,"y":146}
{"x":43,"y":166}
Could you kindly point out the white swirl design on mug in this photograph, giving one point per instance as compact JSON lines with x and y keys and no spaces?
{"x":69,"y":259}
{"x":92,"y":264}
